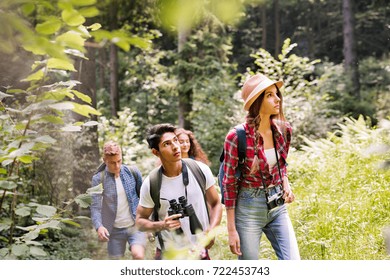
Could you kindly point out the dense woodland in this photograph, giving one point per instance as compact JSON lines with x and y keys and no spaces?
{"x":75,"y":73}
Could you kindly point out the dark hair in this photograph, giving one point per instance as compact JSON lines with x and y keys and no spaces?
{"x":195,"y":151}
{"x":155,"y":133}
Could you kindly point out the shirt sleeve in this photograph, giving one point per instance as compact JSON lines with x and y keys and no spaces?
{"x":230,"y":183}
{"x":145,"y":199}
{"x":96,"y":204}
{"x":210,"y":179}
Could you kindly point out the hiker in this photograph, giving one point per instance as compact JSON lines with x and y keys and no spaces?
{"x":166,"y":187}
{"x":190,"y":147}
{"x":113,"y":211}
{"x":256,"y":201}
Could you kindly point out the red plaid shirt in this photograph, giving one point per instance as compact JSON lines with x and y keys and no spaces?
{"x":231,"y":183}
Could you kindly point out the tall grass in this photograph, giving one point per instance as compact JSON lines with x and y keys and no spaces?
{"x":343,"y":193}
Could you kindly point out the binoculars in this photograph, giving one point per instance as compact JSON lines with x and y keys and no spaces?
{"x":186,"y":210}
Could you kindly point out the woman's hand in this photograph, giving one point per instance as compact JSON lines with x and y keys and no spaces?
{"x":288,"y":195}
{"x":234,"y":242}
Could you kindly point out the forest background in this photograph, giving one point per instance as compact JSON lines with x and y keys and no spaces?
{"x":75,"y":73}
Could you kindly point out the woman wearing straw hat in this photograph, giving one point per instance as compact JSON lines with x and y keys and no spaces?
{"x":256,"y":201}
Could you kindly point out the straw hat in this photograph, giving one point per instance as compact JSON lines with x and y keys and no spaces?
{"x":255,"y":86}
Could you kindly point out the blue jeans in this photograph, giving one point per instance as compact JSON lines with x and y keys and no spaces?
{"x":120,"y":236}
{"x":253,"y":218}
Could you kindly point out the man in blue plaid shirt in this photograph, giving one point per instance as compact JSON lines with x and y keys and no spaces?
{"x":113,"y":210}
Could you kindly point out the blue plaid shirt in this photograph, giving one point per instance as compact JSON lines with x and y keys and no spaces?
{"x":104,"y":205}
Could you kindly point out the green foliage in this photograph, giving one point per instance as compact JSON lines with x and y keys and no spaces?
{"x":342,"y":193}
{"x":304,"y":105}
{"x":35,"y":110}
{"x":214,"y":105}
{"x":374,"y":79}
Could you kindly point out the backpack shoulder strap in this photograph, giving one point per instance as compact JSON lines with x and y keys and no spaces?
{"x":135,"y":175}
{"x":198,"y":173}
{"x":200,"y":178}
{"x":155,"y":178}
{"x":241,"y":135}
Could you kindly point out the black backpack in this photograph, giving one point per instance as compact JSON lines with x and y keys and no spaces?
{"x":241,"y":146}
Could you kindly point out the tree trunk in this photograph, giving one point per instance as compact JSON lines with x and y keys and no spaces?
{"x":114,"y":95}
{"x":277,"y":27}
{"x":264,"y":26}
{"x":350,"y":55}
{"x":85,"y":144}
{"x":185,"y":96}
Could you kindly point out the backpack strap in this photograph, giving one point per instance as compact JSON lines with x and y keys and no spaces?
{"x":241,"y":145}
{"x":135,"y":175}
{"x":155,"y":179}
{"x":200,"y":178}
{"x":198,"y":173}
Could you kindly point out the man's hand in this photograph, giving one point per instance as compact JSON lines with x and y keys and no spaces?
{"x":103,"y":234}
{"x":172,"y":222}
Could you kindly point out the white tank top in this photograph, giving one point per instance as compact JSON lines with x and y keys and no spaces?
{"x":271,"y":157}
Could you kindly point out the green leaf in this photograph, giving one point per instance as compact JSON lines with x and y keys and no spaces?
{"x":95,"y":190}
{"x":141,"y":43}
{"x":8,"y":185}
{"x":3,"y":171}
{"x":72,"y":17}
{"x":19,"y":250}
{"x":70,"y":222}
{"x":38,"y":252}
{"x":46,"y":210}
{"x":83,"y":2}
{"x":89,"y":12}
{"x":85,"y":110}
{"x":35,"y":76}
{"x":51,"y":224}
{"x":46,"y":139}
{"x":31,"y":235}
{"x":72,"y":39}
{"x":52,"y":119}
{"x":3,"y":252}
{"x":120,"y":42}
{"x":7,"y":162}
{"x":28,"y":9}
{"x":62,"y":106}
{"x":82,"y":96}
{"x":4,"y":95}
{"x":83,"y":200}
{"x":23,"y":212}
{"x":26,"y":159}
{"x":5,"y":224}
{"x":90,"y":123}
{"x":50,"y":26}
{"x":95,"y":26}
{"x":71,"y":128}
{"x":62,"y":64}
{"x":25,"y":148}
